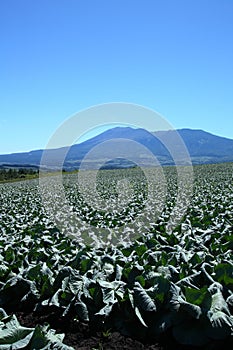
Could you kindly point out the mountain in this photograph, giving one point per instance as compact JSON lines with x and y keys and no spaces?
{"x":202,"y":146}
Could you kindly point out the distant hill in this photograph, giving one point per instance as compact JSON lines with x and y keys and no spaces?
{"x":202,"y":146}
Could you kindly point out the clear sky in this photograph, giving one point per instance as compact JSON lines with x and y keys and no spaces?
{"x":61,"y":56}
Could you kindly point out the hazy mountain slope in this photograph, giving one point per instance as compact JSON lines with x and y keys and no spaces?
{"x":202,"y":146}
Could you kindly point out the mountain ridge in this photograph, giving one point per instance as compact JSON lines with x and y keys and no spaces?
{"x":203,"y":147}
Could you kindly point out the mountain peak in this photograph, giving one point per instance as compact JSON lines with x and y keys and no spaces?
{"x":202,"y":146}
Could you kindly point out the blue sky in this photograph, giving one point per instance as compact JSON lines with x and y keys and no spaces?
{"x":61,"y":56}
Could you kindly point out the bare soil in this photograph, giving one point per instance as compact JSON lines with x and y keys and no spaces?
{"x":81,"y":337}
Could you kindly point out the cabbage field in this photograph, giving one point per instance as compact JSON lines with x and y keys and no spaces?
{"x":175,"y":283}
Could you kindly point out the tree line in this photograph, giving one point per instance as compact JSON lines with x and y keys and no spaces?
{"x":12,"y":173}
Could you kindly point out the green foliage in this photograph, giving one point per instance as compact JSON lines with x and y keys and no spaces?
{"x":180,"y":282}
{"x":17,"y":173}
{"x":14,"y":336}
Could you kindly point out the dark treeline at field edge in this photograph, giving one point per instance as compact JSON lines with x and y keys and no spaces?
{"x":11,"y":174}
